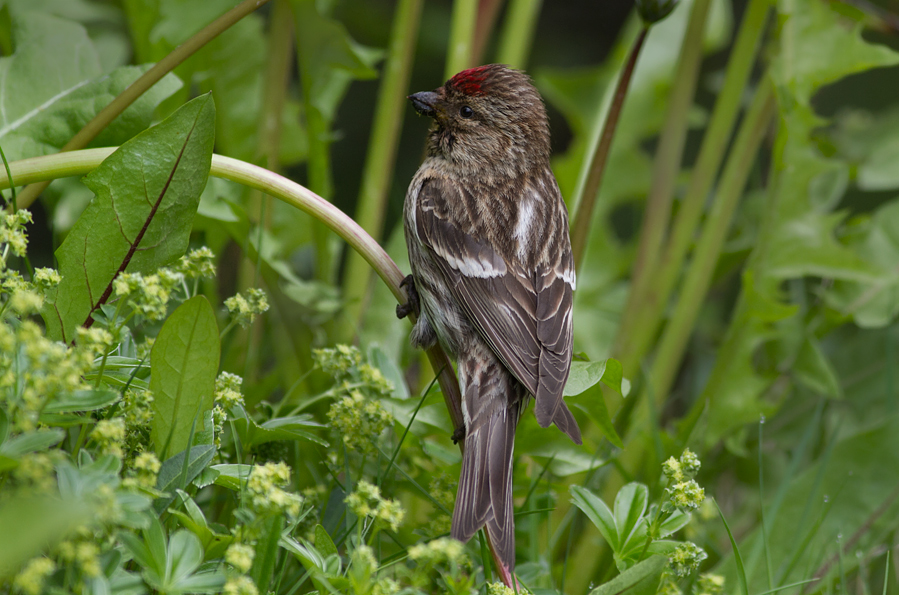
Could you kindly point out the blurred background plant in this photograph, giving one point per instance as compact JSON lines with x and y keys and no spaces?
{"x":202,"y":389}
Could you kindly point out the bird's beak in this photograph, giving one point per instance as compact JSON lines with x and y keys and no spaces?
{"x":425,"y":102}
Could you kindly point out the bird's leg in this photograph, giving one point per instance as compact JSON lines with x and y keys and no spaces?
{"x":411,"y":306}
{"x":459,"y":434}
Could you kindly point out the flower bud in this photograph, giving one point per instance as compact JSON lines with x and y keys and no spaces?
{"x":653,"y":11}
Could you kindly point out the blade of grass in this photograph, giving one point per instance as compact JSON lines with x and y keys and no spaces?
{"x":741,"y":572}
{"x":142,"y":84}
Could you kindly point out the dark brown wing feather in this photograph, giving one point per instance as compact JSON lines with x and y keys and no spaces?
{"x":524,"y":316}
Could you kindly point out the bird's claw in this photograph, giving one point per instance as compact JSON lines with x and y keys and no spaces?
{"x":412,"y":304}
{"x":459,"y":434}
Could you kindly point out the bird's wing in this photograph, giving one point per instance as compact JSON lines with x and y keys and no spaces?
{"x":524,"y":315}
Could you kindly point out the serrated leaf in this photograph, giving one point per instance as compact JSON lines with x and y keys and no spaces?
{"x":147,"y":193}
{"x":185,"y":361}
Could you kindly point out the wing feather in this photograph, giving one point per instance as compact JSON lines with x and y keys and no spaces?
{"x":525,"y":317}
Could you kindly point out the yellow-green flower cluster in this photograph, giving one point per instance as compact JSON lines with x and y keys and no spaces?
{"x":501,"y":589}
{"x":686,"y":495}
{"x":197,"y":264}
{"x":444,"y":549}
{"x":30,"y":579}
{"x":46,"y":279}
{"x":149,"y":295}
{"x":109,"y":436}
{"x":240,"y":585}
{"x":374,"y":380}
{"x":244,"y":309}
{"x":47,"y":370}
{"x":95,"y":340}
{"x":137,"y":407}
{"x":83,"y":553}
{"x":240,"y":556}
{"x":686,"y":558}
{"x":12,"y":233}
{"x":144,"y":471}
{"x":227,"y":390}
{"x":338,"y":361}
{"x":366,"y":501}
{"x":265,"y":493}
{"x":686,"y":467}
{"x":37,"y":470}
{"x":709,"y":584}
{"x":683,"y":492}
{"x":359,"y":421}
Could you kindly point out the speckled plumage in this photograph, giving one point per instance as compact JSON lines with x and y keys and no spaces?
{"x":487,"y":233}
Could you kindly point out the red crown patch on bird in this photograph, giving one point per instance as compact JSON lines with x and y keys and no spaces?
{"x":469,"y":81}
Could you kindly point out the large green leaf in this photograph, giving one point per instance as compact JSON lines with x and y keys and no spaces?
{"x":41,"y":113}
{"x":819,"y":44}
{"x":146,"y":197}
{"x":185,"y":361}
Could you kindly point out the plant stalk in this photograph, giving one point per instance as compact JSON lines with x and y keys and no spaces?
{"x":711,"y":154}
{"x":518,"y":33}
{"x":585,"y":202}
{"x":462,"y":31}
{"x":665,"y":169}
{"x":143,"y":84}
{"x":696,"y":283}
{"x":382,"y":148}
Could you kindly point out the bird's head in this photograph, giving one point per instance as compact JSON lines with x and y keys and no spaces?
{"x":489,"y":116}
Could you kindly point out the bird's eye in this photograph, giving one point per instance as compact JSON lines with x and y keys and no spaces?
{"x":466,"y":112}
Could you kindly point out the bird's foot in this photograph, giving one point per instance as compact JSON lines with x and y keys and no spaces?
{"x":459,"y":434}
{"x":412,"y":304}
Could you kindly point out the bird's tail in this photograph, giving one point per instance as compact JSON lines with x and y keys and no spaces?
{"x":485,"y":485}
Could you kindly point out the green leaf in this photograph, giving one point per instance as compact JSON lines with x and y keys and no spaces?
{"x":171,"y":473}
{"x":875,"y":303}
{"x":232,"y":476}
{"x":630,"y":506}
{"x":185,"y":361}
{"x":147,"y":193}
{"x":738,"y":559}
{"x":642,"y":579}
{"x":61,"y":51}
{"x":82,"y":400}
{"x":36,"y":522}
{"x":323,"y":542}
{"x":597,"y":511}
{"x":267,"y":552}
{"x":814,"y":370}
{"x":583,"y":385}
{"x":35,"y":441}
{"x":280,"y":428}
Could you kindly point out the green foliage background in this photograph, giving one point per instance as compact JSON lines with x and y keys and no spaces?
{"x":742,"y":267}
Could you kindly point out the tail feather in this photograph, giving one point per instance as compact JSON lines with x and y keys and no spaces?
{"x":485,"y":486}
{"x":565,"y":421}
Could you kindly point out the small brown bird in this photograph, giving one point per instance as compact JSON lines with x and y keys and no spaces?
{"x":492,"y":271}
